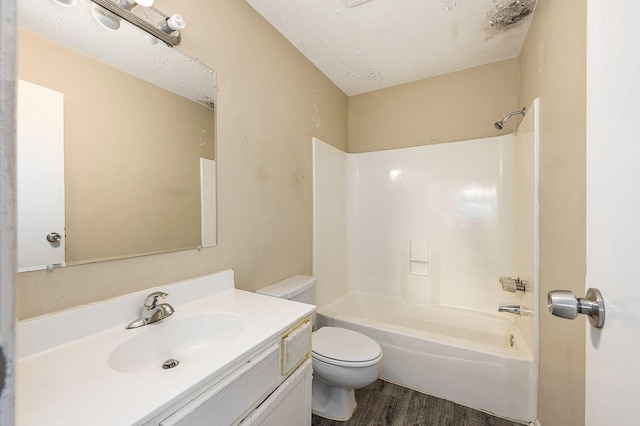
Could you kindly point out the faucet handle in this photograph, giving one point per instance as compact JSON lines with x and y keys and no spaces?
{"x":152,"y":299}
{"x":513,"y":284}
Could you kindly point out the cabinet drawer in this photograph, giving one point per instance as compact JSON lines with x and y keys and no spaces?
{"x":233,"y":397}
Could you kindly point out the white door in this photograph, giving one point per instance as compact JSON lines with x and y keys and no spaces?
{"x":613,"y":210}
{"x":40,"y":176}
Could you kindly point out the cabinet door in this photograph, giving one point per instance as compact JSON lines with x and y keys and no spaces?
{"x":289,"y":405}
{"x":231,"y":399}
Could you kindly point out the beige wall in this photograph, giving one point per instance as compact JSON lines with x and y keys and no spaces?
{"x":271,"y":101}
{"x":452,"y":107}
{"x":553,"y":68}
{"x":132,"y":155}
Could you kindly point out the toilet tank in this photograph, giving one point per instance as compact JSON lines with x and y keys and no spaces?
{"x":301,"y":288}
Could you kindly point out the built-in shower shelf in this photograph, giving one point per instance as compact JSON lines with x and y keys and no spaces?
{"x":419,"y":256}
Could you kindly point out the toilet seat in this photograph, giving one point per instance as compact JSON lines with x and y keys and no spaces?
{"x":346,"y":348}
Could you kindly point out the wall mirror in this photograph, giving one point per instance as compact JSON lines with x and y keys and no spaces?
{"x":128,"y":122}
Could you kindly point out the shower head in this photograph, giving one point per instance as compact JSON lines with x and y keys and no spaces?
{"x":500,"y":124}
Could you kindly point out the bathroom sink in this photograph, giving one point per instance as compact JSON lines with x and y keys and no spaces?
{"x":183,"y":339}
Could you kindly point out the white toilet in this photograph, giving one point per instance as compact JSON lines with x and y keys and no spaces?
{"x":342,"y":360}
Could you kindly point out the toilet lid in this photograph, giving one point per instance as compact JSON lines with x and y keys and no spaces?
{"x":340,"y":346}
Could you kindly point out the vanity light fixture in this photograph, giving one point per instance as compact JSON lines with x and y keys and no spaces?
{"x":172,"y":23}
{"x":130,"y":4}
{"x":109,"y":12}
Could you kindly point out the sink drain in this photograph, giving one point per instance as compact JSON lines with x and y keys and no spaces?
{"x":170,"y":363}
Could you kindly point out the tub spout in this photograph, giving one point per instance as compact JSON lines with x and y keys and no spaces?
{"x":512,"y":309}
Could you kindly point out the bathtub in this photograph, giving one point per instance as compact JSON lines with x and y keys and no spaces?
{"x":476,"y":359}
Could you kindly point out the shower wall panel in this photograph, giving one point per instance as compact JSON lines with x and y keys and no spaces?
{"x":431,"y":225}
{"x":456,"y":198}
{"x":330,"y":221}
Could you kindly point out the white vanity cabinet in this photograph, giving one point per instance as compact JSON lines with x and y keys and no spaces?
{"x":83,"y":367}
{"x":273,"y":387}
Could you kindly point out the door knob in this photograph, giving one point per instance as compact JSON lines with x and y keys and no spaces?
{"x":54,"y":237}
{"x":565,"y":304}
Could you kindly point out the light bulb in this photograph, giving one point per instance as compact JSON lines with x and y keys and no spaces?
{"x":172,"y":23}
{"x":105,"y":18}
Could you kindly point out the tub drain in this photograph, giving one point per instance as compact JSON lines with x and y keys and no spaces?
{"x":512,"y":340}
{"x":170,"y":363}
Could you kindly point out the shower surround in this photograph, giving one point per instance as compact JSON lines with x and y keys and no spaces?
{"x":409,"y":246}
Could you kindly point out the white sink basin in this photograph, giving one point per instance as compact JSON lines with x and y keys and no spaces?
{"x":183,"y":339}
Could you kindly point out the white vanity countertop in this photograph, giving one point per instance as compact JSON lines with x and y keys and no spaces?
{"x":63,"y":376}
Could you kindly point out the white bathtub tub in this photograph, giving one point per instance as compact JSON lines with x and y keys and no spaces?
{"x":459,"y":355}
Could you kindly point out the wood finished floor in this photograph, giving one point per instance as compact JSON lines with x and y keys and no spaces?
{"x":383,"y":403}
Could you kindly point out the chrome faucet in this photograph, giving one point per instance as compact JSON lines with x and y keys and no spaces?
{"x":512,"y":309}
{"x":152,"y":311}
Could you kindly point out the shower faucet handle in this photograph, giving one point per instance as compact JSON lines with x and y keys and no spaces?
{"x":513,"y":284}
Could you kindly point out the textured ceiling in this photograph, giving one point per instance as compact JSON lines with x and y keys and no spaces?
{"x":366,"y":45}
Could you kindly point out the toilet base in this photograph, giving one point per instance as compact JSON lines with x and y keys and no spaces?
{"x":331,"y":402}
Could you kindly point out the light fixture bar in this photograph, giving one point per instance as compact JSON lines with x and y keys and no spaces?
{"x":170,"y":40}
